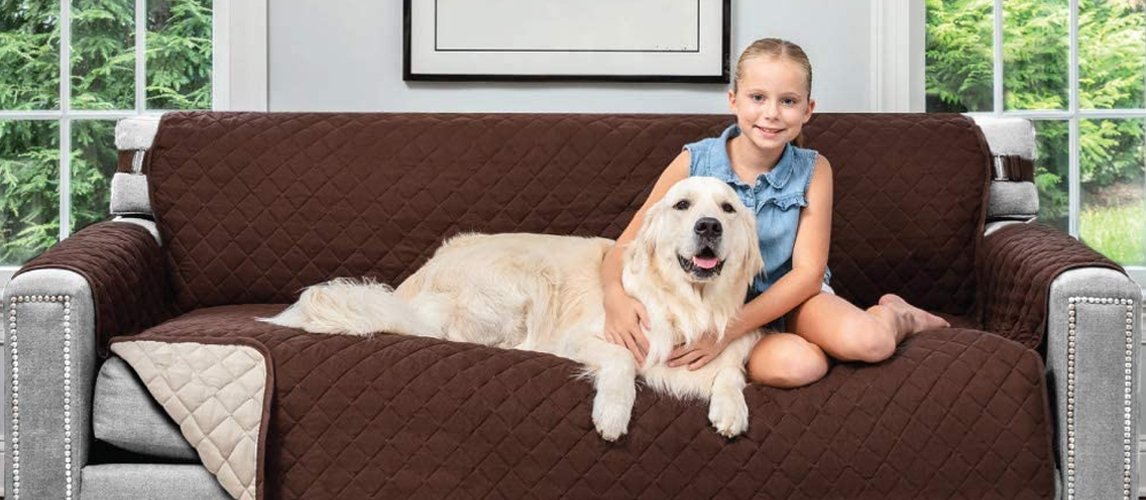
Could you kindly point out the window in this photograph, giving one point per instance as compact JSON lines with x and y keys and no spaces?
{"x":68,"y":70}
{"x":1078,"y":69}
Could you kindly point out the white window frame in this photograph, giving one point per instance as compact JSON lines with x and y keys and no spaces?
{"x":238,"y":82}
{"x":1073,"y":115}
{"x":897,"y":47}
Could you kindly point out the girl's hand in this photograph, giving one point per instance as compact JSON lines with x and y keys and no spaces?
{"x":699,"y":354}
{"x":624,"y":319}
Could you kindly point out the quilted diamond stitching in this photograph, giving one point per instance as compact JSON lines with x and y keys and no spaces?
{"x":925,"y":254}
{"x":1019,"y":262}
{"x":123,"y":264}
{"x":956,"y":413}
{"x":215,"y":393}
{"x":907,"y":234}
{"x":257,"y":206}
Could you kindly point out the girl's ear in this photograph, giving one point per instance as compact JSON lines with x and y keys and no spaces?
{"x":732,"y":100}
{"x":811,"y":107}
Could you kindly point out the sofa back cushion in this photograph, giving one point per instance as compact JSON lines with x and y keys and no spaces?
{"x":252,"y":207}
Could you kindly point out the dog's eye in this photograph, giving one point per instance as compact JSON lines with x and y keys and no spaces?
{"x":681,"y":205}
{"x":728,"y":208}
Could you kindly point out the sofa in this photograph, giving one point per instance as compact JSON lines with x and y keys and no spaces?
{"x":136,"y":367}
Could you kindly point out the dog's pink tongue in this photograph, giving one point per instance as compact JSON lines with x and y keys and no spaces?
{"x":705,"y":263}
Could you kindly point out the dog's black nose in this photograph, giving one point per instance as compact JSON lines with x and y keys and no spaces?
{"x":708,"y":228}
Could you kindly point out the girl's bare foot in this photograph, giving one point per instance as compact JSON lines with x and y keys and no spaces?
{"x":917,"y":319}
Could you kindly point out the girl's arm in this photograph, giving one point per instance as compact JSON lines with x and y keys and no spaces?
{"x":624,"y":315}
{"x":809,"y":260}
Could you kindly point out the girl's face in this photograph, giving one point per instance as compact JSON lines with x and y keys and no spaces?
{"x":771,"y":101}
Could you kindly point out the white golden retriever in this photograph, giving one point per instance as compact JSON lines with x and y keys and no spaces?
{"x":690,"y":265}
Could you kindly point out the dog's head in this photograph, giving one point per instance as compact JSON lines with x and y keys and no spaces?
{"x":701,"y":231}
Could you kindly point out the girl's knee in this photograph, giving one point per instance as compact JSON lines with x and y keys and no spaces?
{"x":787,"y":365}
{"x":867,"y":340}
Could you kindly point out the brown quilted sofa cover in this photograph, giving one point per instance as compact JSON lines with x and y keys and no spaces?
{"x":124,"y":266}
{"x":953,"y":414}
{"x":253,"y":207}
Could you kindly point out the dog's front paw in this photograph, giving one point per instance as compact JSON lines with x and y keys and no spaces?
{"x":728,"y":414}
{"x":611,"y":419}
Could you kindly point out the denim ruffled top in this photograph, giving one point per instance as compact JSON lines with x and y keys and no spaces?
{"x":777,"y":197}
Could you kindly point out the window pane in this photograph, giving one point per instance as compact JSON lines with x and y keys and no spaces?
{"x":29,"y":55}
{"x":1052,"y":169}
{"x":1113,"y":218}
{"x":103,"y":54}
{"x":178,"y":54}
{"x":1111,"y":53}
{"x":1036,"y":53}
{"x":959,"y":69}
{"x":29,"y":188}
{"x":93,"y":163}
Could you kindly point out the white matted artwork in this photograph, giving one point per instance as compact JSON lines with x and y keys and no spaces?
{"x":607,"y":40}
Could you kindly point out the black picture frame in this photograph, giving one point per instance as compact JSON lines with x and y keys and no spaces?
{"x":723,"y":77}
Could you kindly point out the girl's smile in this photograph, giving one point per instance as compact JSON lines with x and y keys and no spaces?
{"x":770,"y":132}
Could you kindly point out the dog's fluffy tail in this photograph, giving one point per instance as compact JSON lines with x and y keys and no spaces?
{"x":364,"y":307}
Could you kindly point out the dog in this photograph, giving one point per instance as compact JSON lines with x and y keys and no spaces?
{"x":690,"y":265}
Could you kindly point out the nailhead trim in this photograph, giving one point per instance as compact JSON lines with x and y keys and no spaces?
{"x":1128,"y":400}
{"x":66,"y":300}
{"x":15,"y":398}
{"x":67,"y":395}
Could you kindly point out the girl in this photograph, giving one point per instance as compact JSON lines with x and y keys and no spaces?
{"x":791,"y":190}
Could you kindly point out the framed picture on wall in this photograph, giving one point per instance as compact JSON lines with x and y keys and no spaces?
{"x":563,"y":40}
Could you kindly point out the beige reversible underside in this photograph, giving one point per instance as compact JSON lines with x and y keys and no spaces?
{"x":215,"y":393}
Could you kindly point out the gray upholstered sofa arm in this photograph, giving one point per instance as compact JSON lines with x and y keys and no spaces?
{"x":1093,"y":334}
{"x":60,"y":309}
{"x":1046,"y":290}
{"x":50,"y":350}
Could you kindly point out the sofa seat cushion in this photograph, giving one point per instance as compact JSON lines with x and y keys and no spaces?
{"x":966,"y":321}
{"x":125,"y":415}
{"x":149,"y":482}
{"x":955,"y":412}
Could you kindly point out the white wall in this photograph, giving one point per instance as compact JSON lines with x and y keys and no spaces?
{"x":347,"y":56}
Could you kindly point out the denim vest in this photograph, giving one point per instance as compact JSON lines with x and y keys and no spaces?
{"x":777,"y":198}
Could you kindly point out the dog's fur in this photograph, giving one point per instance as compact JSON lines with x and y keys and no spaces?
{"x":544,"y":293}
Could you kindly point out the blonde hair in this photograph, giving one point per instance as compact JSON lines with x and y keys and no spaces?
{"x":779,"y":49}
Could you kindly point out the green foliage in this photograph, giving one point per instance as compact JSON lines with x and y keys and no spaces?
{"x":959,"y":67}
{"x":102,"y":66}
{"x":29,"y":55}
{"x":29,"y":194}
{"x":1117,"y":231}
{"x":1112,"y":38}
{"x":1036,"y":51}
{"x":103,"y":55}
{"x":1052,"y":139}
{"x":179,"y":55}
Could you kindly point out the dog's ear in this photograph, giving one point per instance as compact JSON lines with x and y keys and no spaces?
{"x":751,"y":258}
{"x":650,"y":227}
